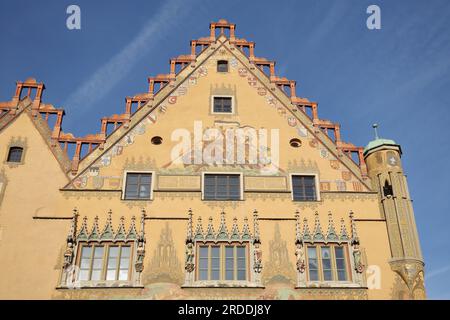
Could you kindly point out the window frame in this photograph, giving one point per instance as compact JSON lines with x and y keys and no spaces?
{"x":13,"y":148}
{"x":223,"y":260}
{"x":124,"y":184}
{"x":316,"y":184}
{"x":105,"y":260}
{"x":241,"y":185}
{"x":227,"y":64}
{"x":334,"y":271}
{"x":223,"y":96}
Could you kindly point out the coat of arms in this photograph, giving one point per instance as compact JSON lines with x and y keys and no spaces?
{"x":334,"y":164}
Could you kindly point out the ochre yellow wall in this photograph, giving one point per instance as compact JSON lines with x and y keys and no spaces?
{"x":31,"y":249}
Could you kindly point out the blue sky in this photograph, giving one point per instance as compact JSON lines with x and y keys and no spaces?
{"x":398,"y":76}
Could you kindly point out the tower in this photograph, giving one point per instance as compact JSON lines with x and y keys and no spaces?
{"x":385,"y":169}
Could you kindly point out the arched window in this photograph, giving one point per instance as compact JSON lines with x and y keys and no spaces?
{"x":15,"y":154}
{"x":222,"y":66}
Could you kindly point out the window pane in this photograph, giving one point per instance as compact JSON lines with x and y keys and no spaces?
{"x":342,"y":275}
{"x":138,"y":185}
{"x":229,"y":263}
{"x":132,"y":178}
{"x":97,"y":264}
{"x":223,"y":104}
{"x":339,"y":251}
{"x":15,"y":154}
{"x":144,"y":191}
{"x":242,"y":275}
{"x":326,"y":264}
{"x":203,"y":252}
{"x":203,"y":274}
{"x":312,"y":252}
{"x":340,"y":263}
{"x":312,"y":264}
{"x":303,"y":188}
{"x":229,"y":252}
{"x":96,"y":275}
{"x":145,"y":178}
{"x":85,"y":263}
{"x":125,"y":251}
{"x":222,"y":66}
{"x":111,"y":275}
{"x":84,"y":275}
{"x":123,"y":274}
{"x":98,"y":252}
{"x":215,"y":252}
{"x":222,"y":187}
{"x":203,"y":263}
{"x":124,"y":263}
{"x":327,"y":275}
{"x":313,"y":275}
{"x":215,"y":275}
{"x":86,"y":252}
{"x":215,"y":263}
{"x":113,"y":252}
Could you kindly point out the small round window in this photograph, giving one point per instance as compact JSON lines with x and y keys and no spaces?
{"x":156,"y":140}
{"x":295,"y":143}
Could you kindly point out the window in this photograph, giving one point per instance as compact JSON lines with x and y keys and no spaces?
{"x":222,"y":66}
{"x":387,"y":189}
{"x":304,"y":188}
{"x":222,"y":187}
{"x":138,"y":186}
{"x":15,"y":154}
{"x":223,"y":105}
{"x":327,"y":263}
{"x":110,"y":262}
{"x":222,"y":262}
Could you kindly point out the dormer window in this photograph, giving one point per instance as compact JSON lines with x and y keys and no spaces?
{"x":222,"y":66}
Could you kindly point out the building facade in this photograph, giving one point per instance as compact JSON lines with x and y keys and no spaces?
{"x":219,"y":182}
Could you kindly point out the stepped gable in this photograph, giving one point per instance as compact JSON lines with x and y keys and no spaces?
{"x":28,"y":95}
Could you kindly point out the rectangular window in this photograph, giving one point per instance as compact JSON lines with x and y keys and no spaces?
{"x":222,"y":187}
{"x":304,"y":188}
{"x":313,"y":265}
{"x":95,"y":265}
{"x":138,"y":185}
{"x":223,"y":105}
{"x":203,"y":264}
{"x":327,"y":263}
{"x":222,"y":262}
{"x":222,"y":66}
{"x":340,"y":264}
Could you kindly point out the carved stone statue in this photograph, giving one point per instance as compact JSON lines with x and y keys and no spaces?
{"x":68,"y":255}
{"x":257,"y":253}
{"x":140,"y":254}
{"x":359,"y":267}
{"x":300,"y":255}
{"x":189,"y":257}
